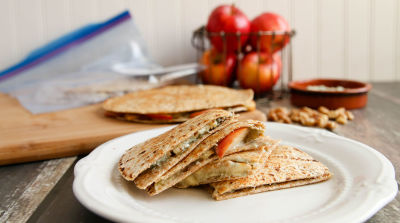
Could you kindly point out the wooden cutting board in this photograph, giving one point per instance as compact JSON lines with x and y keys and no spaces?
{"x":25,"y":137}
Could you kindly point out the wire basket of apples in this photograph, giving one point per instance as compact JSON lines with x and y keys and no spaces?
{"x":256,"y":53}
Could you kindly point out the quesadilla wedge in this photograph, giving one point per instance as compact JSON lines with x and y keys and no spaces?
{"x":233,"y":166}
{"x":206,"y":152}
{"x":174,"y":104}
{"x":286,"y":167}
{"x":156,"y":156}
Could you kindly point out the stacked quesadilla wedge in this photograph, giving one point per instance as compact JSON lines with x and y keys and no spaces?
{"x":206,"y":152}
{"x":233,"y":157}
{"x":174,"y":104}
{"x":151,"y":159}
{"x":286,"y":167}
{"x":159,"y":164}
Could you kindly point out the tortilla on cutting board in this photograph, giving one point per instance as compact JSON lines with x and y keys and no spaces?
{"x":173,"y":104}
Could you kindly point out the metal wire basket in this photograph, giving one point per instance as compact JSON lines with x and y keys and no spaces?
{"x":201,"y":41}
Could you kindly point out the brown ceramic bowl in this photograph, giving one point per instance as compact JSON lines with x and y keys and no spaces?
{"x":354,"y":95}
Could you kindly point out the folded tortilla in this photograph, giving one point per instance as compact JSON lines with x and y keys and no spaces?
{"x":233,"y":166}
{"x":203,"y":154}
{"x":177,"y":103}
{"x":286,"y":167}
{"x":156,"y":156}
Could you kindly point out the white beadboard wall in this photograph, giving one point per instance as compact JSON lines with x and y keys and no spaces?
{"x":357,"y":39}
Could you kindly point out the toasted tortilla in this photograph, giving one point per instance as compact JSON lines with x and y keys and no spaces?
{"x":177,"y":102}
{"x":151,"y":156}
{"x":203,"y":154}
{"x":286,"y":167}
{"x":234,"y":166}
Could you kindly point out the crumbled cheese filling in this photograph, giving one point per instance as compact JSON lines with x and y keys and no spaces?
{"x":204,"y":156}
{"x":187,"y":143}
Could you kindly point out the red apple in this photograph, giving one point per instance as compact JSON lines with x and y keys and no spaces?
{"x":259,"y":73}
{"x":218,"y":70}
{"x":229,"y":19}
{"x":269,"y":22}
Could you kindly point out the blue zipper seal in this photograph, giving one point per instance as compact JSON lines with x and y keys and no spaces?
{"x":63,"y":43}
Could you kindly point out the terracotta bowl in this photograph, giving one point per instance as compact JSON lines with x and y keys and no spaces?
{"x":354,"y":95}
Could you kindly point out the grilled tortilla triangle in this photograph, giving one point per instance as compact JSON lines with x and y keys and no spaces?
{"x":286,"y":167}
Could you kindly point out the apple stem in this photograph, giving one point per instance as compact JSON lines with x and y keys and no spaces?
{"x":233,"y":8}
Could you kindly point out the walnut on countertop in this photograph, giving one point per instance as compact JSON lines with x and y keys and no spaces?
{"x":322,"y":118}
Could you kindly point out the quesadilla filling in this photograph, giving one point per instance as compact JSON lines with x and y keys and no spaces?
{"x":187,"y":143}
{"x":135,"y":117}
{"x":203,"y":158}
{"x":234,"y":168}
{"x":170,"y":116}
{"x":227,"y":170}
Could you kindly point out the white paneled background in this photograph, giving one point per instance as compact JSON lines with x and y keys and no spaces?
{"x":358,"y":39}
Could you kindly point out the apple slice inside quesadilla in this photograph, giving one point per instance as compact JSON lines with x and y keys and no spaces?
{"x":235,"y":138}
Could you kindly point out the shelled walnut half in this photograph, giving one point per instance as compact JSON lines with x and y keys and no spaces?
{"x":322,"y":118}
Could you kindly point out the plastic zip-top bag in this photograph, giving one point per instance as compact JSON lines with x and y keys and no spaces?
{"x":85,"y":66}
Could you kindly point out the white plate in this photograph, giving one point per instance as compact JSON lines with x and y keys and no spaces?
{"x":363,"y":182}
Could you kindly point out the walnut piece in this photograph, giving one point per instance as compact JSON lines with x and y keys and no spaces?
{"x":349,"y":115}
{"x":279,"y":114}
{"x":341,"y":119}
{"x":331,"y":125}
